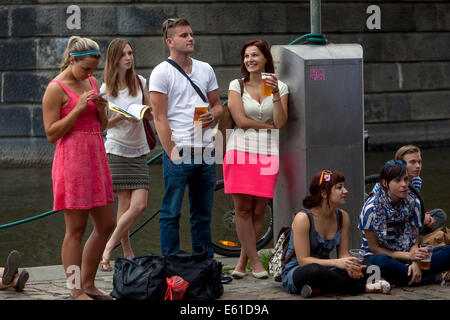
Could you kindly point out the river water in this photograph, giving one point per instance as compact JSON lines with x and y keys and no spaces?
{"x":28,"y":192}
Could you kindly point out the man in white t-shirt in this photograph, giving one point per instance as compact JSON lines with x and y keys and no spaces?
{"x":173,"y":99}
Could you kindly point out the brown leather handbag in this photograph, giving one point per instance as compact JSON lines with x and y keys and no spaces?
{"x":439,"y":237}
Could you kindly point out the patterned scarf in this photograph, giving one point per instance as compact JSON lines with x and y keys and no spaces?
{"x":400,"y":217}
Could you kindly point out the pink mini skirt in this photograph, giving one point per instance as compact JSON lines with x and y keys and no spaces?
{"x":250,"y":173}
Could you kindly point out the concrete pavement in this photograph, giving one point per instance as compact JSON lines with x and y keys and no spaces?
{"x":48,"y":283}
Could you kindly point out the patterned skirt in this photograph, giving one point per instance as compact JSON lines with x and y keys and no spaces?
{"x":129,"y":173}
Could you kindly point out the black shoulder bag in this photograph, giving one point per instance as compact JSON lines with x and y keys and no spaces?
{"x":176,"y":66}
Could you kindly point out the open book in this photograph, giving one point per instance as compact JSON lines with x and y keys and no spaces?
{"x":132,"y":111}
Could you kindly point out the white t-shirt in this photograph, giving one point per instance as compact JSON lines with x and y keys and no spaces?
{"x":182,"y":99}
{"x":126,"y":138}
{"x":260,"y":142}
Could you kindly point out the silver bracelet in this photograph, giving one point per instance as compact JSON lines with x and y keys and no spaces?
{"x":276,"y":100}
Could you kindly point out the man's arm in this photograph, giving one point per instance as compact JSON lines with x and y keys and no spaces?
{"x":215,"y":110}
{"x":159,"y":104}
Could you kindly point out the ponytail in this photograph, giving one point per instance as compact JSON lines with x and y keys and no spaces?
{"x":79,"y":44}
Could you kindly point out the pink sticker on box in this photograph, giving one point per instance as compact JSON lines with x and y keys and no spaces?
{"x":317,"y":74}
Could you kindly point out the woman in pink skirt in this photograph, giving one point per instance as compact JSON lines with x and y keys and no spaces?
{"x":251,"y":163}
{"x":75,"y":119}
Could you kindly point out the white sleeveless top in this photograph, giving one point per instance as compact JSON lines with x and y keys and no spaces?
{"x":253,"y":141}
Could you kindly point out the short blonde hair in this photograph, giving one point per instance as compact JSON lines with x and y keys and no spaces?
{"x":403,"y":151}
{"x":79,"y":44}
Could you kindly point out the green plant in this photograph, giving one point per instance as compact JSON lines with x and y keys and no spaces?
{"x":264,"y":257}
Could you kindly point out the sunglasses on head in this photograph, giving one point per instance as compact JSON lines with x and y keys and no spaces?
{"x":166,"y":25}
{"x":325,"y":175}
{"x":394,"y":163}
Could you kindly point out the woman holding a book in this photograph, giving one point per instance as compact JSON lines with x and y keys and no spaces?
{"x":75,"y":119}
{"x":126,"y":143}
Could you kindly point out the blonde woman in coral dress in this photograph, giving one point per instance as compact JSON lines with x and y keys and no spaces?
{"x":82,"y":185}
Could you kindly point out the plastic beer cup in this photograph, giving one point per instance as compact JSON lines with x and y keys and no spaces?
{"x":358,"y":253}
{"x":199,"y":110}
{"x":424,"y":264}
{"x":266,"y":90}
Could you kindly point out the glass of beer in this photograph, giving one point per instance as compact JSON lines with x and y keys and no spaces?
{"x":358,"y":253}
{"x":266,"y":90}
{"x":425,"y":263}
{"x":199,"y":110}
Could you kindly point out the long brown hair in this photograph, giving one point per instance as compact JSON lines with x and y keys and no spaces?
{"x":263,"y":46}
{"x":111,"y":72}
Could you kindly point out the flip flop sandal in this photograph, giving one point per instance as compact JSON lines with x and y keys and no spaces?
{"x":23,"y":278}
{"x":11,"y":267}
{"x":99,"y":296}
{"x":105,"y":266}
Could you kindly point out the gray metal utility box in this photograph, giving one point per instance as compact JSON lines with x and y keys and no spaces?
{"x":325,"y":127}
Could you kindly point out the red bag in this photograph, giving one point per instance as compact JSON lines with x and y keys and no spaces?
{"x":149,"y":133}
{"x":176,"y":287}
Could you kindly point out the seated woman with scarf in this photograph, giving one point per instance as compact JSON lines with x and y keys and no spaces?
{"x":390,"y":221}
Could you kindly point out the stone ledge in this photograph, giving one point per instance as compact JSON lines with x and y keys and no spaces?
{"x":382,"y":77}
{"x":389,"y":136}
{"x":388,"y":107}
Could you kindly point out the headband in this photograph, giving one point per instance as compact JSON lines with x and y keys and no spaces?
{"x":84,"y":53}
{"x":325,"y":175}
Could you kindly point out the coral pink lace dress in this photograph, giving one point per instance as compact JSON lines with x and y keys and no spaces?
{"x":80,"y":172}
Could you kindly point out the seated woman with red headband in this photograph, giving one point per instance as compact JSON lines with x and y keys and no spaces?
{"x":316,"y":231}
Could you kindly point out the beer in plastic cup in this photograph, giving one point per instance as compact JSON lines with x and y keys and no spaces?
{"x":199,"y":110}
{"x":425,"y":263}
{"x":266,"y":90}
{"x":357,"y":253}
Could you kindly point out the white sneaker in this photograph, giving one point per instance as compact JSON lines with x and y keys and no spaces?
{"x":381,"y":286}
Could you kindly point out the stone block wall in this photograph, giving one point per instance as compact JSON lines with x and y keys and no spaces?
{"x":406,"y":61}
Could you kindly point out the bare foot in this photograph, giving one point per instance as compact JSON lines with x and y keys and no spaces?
{"x":83,"y":296}
{"x":97,"y":294}
{"x":80,"y":295}
{"x":105,"y":265}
